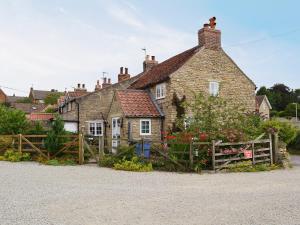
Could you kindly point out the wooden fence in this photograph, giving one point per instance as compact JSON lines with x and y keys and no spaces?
{"x":35,"y":144}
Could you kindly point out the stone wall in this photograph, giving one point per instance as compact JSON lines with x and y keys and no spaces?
{"x":264,"y":110}
{"x":194,"y":77}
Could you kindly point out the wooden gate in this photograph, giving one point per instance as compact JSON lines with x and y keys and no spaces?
{"x":225,"y":154}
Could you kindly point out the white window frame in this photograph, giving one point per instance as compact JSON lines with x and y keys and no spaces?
{"x":160,"y":91}
{"x":95,"y":123}
{"x":145,"y":120}
{"x":214,"y":88}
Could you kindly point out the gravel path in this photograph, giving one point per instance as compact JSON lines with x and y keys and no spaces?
{"x":84,"y":195}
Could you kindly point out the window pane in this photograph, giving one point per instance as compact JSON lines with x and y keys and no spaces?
{"x":145,"y":127}
{"x":92,"y":129}
{"x":99,"y":129}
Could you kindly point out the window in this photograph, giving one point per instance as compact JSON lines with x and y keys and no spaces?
{"x":214,"y":88}
{"x":95,"y":128}
{"x":145,"y":127}
{"x":160,"y":91}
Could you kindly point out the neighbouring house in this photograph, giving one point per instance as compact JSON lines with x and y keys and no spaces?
{"x":38,"y":96}
{"x":28,"y":108}
{"x":2,"y":96}
{"x":133,"y":115}
{"x":205,"y":69}
{"x":78,"y":113}
{"x":263,"y":106}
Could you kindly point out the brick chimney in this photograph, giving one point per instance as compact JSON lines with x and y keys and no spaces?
{"x":106,"y":82}
{"x":98,"y":86}
{"x":208,"y":36}
{"x":123,"y":76}
{"x":80,"y":88}
{"x":149,"y":63}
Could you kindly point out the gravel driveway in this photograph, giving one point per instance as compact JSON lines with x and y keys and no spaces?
{"x":84,"y":195}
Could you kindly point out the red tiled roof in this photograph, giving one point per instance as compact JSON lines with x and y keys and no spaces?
{"x":161,"y":71}
{"x":40,"y":116}
{"x":137,"y":103}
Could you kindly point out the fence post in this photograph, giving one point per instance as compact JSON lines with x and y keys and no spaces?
{"x":80,"y":149}
{"x":191,"y":155}
{"x":101,"y":147}
{"x":253,"y":154}
{"x":275,"y":148}
{"x":271,"y":149}
{"x":20,"y":142}
{"x":213,"y":155}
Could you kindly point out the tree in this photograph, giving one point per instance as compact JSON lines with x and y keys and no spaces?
{"x":52,"y":98}
{"x":290,"y":110}
{"x":262,"y":91}
{"x":12,"y":121}
{"x":54,"y":140}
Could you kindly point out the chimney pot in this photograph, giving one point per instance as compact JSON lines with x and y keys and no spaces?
{"x":121,"y":70}
{"x":147,"y":57}
{"x":126,"y":70}
{"x":108,"y":81}
{"x":78,"y":85}
{"x":83,"y":85}
{"x":208,"y":36}
{"x":153,"y":58}
{"x":104,"y":80}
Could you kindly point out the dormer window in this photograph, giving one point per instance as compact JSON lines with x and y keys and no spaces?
{"x":214,"y":88}
{"x":160,"y":91}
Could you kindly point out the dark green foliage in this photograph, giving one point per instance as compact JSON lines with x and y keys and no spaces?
{"x":286,"y":132}
{"x":54,"y":141}
{"x":12,"y":121}
{"x":295,"y":144}
{"x":52,"y":98}
{"x":36,"y":128}
{"x":280,"y":97}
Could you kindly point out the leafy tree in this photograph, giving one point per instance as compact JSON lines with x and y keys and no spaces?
{"x":52,"y":98}
{"x":262,"y":91}
{"x":54,"y":140}
{"x":290,"y":110}
{"x":12,"y":121}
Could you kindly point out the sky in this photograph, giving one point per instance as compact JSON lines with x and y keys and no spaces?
{"x":55,"y":44}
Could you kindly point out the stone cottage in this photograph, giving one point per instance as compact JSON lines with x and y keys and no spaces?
{"x":263,"y":106}
{"x":205,"y":69}
{"x":133,"y":115}
{"x":88,"y":113}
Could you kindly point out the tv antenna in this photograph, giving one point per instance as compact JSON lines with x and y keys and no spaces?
{"x":145,"y":50}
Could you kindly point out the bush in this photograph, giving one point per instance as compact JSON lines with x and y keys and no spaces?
{"x":12,"y":121}
{"x":14,"y":156}
{"x":286,"y":131}
{"x":5,"y":143}
{"x":60,"y":162}
{"x":108,"y":161}
{"x":133,"y":165}
{"x":247,"y":166}
{"x":295,"y":144}
{"x":54,"y":142}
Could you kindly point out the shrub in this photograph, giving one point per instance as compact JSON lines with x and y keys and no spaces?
{"x":53,"y":162}
{"x":108,"y":161}
{"x":60,"y":162}
{"x":133,"y":165}
{"x":295,"y":144}
{"x":12,"y":121}
{"x":36,"y":128}
{"x":246,"y":166}
{"x":54,"y":140}
{"x":286,"y":131}
{"x":14,"y":156}
{"x":5,"y":142}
